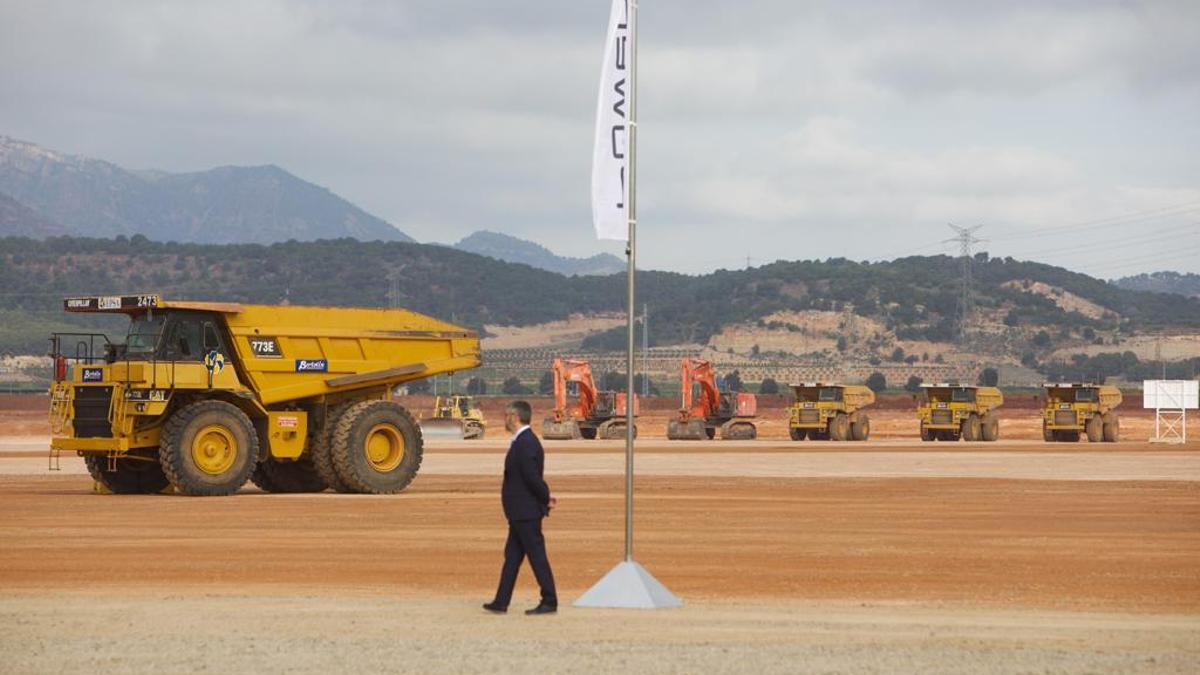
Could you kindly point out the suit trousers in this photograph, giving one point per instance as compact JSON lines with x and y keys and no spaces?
{"x":525,"y":540}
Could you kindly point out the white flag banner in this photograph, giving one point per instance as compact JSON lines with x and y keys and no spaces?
{"x":609,"y":156}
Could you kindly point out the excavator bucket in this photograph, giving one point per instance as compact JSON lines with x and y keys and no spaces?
{"x":691,"y":430}
{"x":565,"y":430}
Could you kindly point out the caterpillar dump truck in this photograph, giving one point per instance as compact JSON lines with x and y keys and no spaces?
{"x":824,"y":412}
{"x":203,"y":396}
{"x":1072,"y":410}
{"x":706,"y":409}
{"x":455,"y":416}
{"x":949,"y":412}
{"x":593,"y":413}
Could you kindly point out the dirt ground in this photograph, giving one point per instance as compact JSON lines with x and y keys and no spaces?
{"x":820,"y":557}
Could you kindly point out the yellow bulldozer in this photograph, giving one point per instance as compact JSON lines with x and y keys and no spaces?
{"x":455,"y":416}
{"x":204,"y":396}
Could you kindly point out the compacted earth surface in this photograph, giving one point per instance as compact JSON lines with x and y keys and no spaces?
{"x":879,"y":557}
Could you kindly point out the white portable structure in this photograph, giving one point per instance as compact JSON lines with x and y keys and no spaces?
{"x":1170,"y":400}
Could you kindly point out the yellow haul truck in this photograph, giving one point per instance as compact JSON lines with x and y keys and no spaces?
{"x":204,"y":396}
{"x":825,"y":412}
{"x":950,"y":412}
{"x":1071,"y":410}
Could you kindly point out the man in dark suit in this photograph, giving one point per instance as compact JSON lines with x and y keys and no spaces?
{"x":527,"y":500}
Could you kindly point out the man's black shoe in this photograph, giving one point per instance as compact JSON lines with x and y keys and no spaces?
{"x":542,"y":609}
{"x":494,"y":608}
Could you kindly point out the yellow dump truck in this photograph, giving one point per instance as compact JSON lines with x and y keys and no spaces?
{"x":824,"y":412}
{"x":203,"y":396}
{"x":1072,"y":409}
{"x":949,"y":412}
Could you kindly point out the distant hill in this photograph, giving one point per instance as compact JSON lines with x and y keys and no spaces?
{"x":92,"y":197}
{"x":1164,"y":282}
{"x":1022,"y":306}
{"x":22,"y":221}
{"x":514,"y":250}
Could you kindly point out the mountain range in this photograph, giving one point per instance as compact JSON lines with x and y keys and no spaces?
{"x":514,"y":250}
{"x":47,"y":193}
{"x":1163,"y":282}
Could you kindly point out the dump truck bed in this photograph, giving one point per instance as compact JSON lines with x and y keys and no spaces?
{"x":291,"y":352}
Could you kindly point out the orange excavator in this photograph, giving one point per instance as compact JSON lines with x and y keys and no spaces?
{"x":593,"y":414}
{"x":708,"y":409}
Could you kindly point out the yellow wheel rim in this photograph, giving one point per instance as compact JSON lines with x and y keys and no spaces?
{"x":384,"y":447}
{"x":214,"y":449}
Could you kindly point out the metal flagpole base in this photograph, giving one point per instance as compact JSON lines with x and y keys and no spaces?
{"x":628,"y":586}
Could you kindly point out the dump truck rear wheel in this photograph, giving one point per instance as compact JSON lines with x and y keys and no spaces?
{"x":297,"y":476}
{"x":209,"y":448}
{"x":132,"y":477}
{"x":377,"y":447}
{"x":839,"y":427}
{"x":1094,"y":429}
{"x":322,"y":458}
{"x":1112,"y":427}
{"x":860,"y":429}
{"x":990,"y":427}
{"x":971,"y":428}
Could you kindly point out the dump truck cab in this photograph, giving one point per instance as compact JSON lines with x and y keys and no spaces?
{"x":951,"y":411}
{"x":203,"y":396}
{"x":1072,"y":410}
{"x":827,"y":411}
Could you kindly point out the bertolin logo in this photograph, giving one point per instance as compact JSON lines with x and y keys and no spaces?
{"x":93,"y":374}
{"x":312,"y":365}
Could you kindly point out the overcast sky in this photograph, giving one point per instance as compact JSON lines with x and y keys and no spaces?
{"x":770,"y":129}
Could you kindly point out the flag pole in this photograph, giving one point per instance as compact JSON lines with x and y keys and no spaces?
{"x":628,"y":585}
{"x":631,"y":252}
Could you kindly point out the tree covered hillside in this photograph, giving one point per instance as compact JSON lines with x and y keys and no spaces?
{"x":917,"y":296}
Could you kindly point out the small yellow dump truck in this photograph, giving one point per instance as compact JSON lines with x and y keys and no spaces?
{"x":203,"y":396}
{"x":1074,"y":409}
{"x":949,"y":412}
{"x":824,"y":412}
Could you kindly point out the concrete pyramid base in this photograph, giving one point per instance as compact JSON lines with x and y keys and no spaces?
{"x":628,"y":586}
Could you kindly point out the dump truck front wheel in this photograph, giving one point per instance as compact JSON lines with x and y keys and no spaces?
{"x":797,"y":434}
{"x":133,"y":476}
{"x":377,"y":447}
{"x":1094,"y":429}
{"x":971,"y":429}
{"x":209,"y":448}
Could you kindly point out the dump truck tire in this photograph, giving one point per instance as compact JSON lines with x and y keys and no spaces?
{"x":297,"y":476}
{"x":377,"y":447}
{"x":971,"y":428}
{"x":1066,"y":436}
{"x":322,"y":458}
{"x":797,"y":434}
{"x":839,"y":427}
{"x":989,"y":428}
{"x":132,"y":477}
{"x":209,"y":449}
{"x":1048,"y":435}
{"x":1112,"y":427}
{"x":860,"y":429}
{"x":927,"y":434}
{"x":1094,"y":429}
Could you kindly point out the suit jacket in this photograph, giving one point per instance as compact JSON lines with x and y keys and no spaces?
{"x":524,"y":493}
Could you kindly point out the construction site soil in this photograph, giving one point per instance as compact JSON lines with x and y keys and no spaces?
{"x":885,"y":556}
